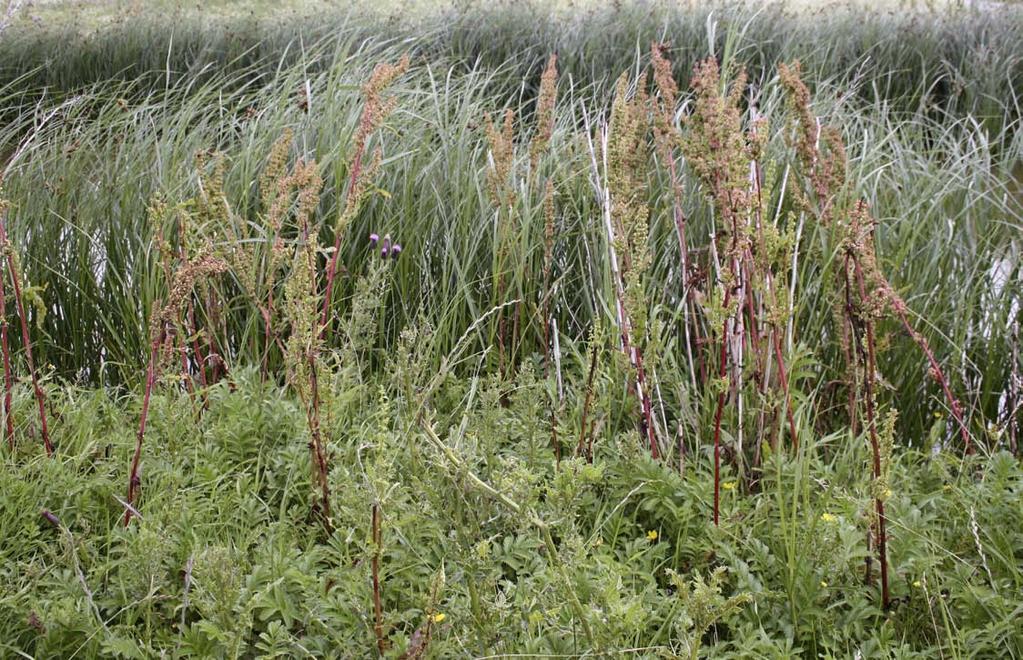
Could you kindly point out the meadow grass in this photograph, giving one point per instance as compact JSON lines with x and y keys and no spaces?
{"x":669,"y":366}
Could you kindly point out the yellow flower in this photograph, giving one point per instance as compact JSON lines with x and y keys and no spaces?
{"x":917,"y":584}
{"x":728,"y":485}
{"x":828,"y":518}
{"x":947,"y":488}
{"x":651,"y":535}
{"x":938,"y":414}
{"x":824,"y":584}
{"x":438,"y":617}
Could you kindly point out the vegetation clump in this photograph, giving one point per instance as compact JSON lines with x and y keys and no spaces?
{"x":448,"y":360}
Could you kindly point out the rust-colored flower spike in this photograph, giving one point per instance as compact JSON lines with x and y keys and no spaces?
{"x":185,"y":278}
{"x":799,"y":102}
{"x":667,"y":91}
{"x":825,"y":171}
{"x":502,"y":153}
{"x":545,"y":102}
{"x":375,"y":109}
{"x":860,"y":242}
{"x":716,"y":146}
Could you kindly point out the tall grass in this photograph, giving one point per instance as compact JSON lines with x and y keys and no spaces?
{"x":921,"y":59}
{"x":88,"y":166}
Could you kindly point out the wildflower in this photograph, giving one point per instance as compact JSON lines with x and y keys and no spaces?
{"x":938,"y":414}
{"x":438,"y":617}
{"x":947,"y":488}
{"x":728,"y":485}
{"x":395,"y":250}
{"x":373,"y":238}
{"x":917,"y":584}
{"x":828,"y":517}
{"x":651,"y":535}
{"x":824,"y":585}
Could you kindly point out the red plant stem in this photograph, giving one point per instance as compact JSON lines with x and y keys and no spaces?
{"x":26,"y":341}
{"x":636,"y":359}
{"x":133,"y":478}
{"x":215,"y":358}
{"x":782,"y":371}
{"x":683,"y":248}
{"x":197,"y":352}
{"x":8,"y":381}
{"x":319,"y":456}
{"x":267,"y":338}
{"x":586,"y":403}
{"x":316,"y":440}
{"x":644,"y":396}
{"x":722,"y":373}
{"x":871,"y":367}
{"x":936,"y":374}
{"x":378,"y":609}
{"x":186,"y":374}
{"x":332,"y":266}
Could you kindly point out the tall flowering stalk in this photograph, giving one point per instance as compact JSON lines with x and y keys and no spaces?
{"x":865,"y":296}
{"x":504,"y":172}
{"x":719,"y":153}
{"x":4,"y":346}
{"x":545,"y":105}
{"x":165,"y":315}
{"x":825,"y":175}
{"x":501,"y":187}
{"x":864,"y":309}
{"x":12,"y":271}
{"x":620,"y":186}
{"x":305,"y":342}
{"x":375,"y":110}
{"x":668,"y":141}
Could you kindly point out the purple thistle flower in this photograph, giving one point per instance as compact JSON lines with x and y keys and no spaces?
{"x":386,"y":249}
{"x":373,"y":238}
{"x":395,"y":250}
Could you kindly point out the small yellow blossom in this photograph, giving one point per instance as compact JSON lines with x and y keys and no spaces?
{"x":824,"y":584}
{"x":828,"y":518}
{"x":651,"y":535}
{"x":947,"y":488}
{"x":438,"y":617}
{"x":886,"y":494}
{"x":728,"y":485}
{"x":917,"y":584}
{"x":938,"y":414}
